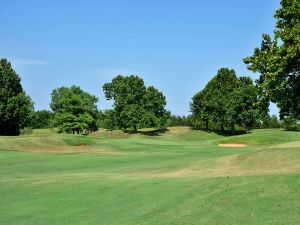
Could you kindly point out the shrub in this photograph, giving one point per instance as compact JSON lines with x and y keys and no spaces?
{"x":26,"y":131}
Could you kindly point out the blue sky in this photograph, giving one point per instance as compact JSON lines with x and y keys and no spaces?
{"x":176,"y":46}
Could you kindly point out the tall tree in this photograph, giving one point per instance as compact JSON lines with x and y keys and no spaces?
{"x":15,"y":106}
{"x":75,"y":110}
{"x":227,"y":101}
{"x":201,"y":108}
{"x":243,"y":105}
{"x":278,"y":61}
{"x":210,"y":104}
{"x":135,"y":105}
{"x":154,"y":103}
{"x":219,"y":89}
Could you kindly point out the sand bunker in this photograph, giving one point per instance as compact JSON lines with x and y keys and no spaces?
{"x":234,"y":145}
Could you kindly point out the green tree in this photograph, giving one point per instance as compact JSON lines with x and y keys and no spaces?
{"x":211,"y":104}
{"x":268,"y":121}
{"x":75,"y":110}
{"x":201,"y":109}
{"x":135,"y":105}
{"x":289,"y":123}
{"x":274,"y":122}
{"x":243,"y":105}
{"x":106,"y":119}
{"x":42,"y":119}
{"x":278,"y":61}
{"x":175,"y":121}
{"x":219,"y":91}
{"x":15,"y":106}
{"x":226,"y":101}
{"x":154,"y":103}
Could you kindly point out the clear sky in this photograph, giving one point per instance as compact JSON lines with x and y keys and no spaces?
{"x":176,"y":46}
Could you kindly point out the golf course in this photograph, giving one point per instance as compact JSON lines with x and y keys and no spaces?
{"x":180,"y":176}
{"x":150,"y":112}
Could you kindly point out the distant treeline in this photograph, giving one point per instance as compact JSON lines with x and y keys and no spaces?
{"x":105,"y":119}
{"x":227,"y":102}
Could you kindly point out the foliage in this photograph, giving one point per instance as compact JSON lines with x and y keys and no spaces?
{"x":278,"y":61}
{"x":243,"y":104}
{"x":136,"y":106}
{"x":106,"y":119}
{"x":42,"y":119}
{"x":201,"y":109}
{"x":75,"y":110}
{"x":174,"y":121}
{"x":268,"y":121}
{"x":15,"y":106}
{"x":26,"y":131}
{"x":290,"y":123}
{"x":226,"y":101}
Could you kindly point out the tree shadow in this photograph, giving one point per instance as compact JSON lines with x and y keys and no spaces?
{"x":228,"y":133}
{"x":157,"y":132}
{"x":225,"y":133}
{"x":292,"y":130}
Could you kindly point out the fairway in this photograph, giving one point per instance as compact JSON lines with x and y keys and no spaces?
{"x":179,"y":177}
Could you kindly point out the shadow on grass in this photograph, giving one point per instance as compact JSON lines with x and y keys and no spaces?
{"x":156,"y":132}
{"x":223,"y":133}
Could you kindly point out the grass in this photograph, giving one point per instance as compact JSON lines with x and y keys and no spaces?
{"x":180,"y":177}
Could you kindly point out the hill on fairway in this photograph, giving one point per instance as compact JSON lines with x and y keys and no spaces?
{"x":179,"y":177}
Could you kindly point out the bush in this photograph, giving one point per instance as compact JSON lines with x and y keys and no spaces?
{"x":26,"y":131}
{"x":290,"y":123}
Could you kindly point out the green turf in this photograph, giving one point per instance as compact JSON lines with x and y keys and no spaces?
{"x":179,"y":177}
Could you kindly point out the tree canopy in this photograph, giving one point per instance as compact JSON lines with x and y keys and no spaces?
{"x":42,"y":119}
{"x":226,"y":101}
{"x":243,"y":104}
{"x":106,"y":119}
{"x":135,"y":105}
{"x":15,"y":106}
{"x":75,"y":110}
{"x":278,"y":61}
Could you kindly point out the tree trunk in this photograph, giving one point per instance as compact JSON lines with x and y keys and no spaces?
{"x":232,"y":128}
{"x":247,"y":129}
{"x":134,"y":129}
{"x":222,"y":127}
{"x":206,"y":124}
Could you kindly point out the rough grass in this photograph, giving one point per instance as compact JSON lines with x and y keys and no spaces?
{"x":179,"y":177}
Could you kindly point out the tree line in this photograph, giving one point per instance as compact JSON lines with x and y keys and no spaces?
{"x":74,"y":110}
{"x":227,"y":102}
